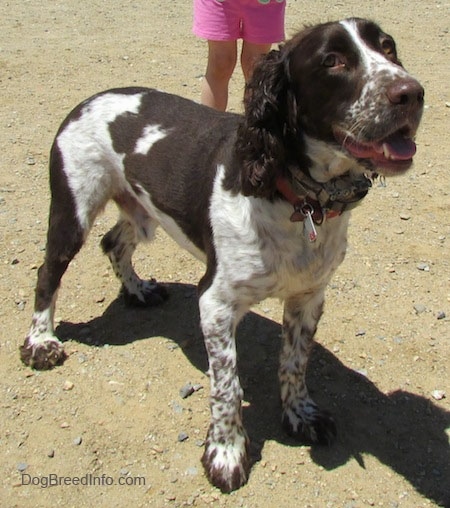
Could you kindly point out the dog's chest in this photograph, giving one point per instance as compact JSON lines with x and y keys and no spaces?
{"x":266,"y":255}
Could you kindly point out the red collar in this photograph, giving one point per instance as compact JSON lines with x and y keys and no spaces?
{"x":303,"y":204}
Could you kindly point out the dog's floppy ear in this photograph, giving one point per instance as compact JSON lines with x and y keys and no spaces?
{"x":269,"y":123}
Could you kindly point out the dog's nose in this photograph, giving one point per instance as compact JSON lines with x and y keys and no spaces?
{"x":406,"y":91}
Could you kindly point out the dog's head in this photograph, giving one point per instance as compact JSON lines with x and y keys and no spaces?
{"x":336,"y":88}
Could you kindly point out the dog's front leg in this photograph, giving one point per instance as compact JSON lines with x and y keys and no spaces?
{"x":226,"y":450}
{"x":301,"y":418}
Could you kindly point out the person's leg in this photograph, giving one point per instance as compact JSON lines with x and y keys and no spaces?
{"x":250,"y":54}
{"x":262,"y":24}
{"x":222,"y":57}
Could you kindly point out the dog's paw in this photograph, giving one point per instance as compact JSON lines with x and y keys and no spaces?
{"x":227,"y":465}
{"x":148,"y":294}
{"x":43,"y":355}
{"x":309,"y":424}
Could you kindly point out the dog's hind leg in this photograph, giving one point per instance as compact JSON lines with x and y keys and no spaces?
{"x":119,"y":244}
{"x":302,"y":419}
{"x":42,"y":349}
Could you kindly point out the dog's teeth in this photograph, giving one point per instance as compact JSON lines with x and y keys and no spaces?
{"x":387,"y":153}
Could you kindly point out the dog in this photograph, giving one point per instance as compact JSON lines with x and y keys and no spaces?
{"x":263,"y":198}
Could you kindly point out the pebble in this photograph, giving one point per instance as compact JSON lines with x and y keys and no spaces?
{"x":405,"y":216}
{"x":186,"y":391}
{"x":177,"y":408}
{"x":441,"y":315}
{"x":68,"y":385}
{"x":419,"y":308}
{"x":22,"y":466}
{"x":77,"y":441}
{"x":51,"y":454}
{"x":438,"y":394}
{"x":423,"y":267}
{"x":182,"y":436}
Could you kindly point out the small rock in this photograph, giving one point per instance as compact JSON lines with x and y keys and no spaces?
{"x":77,"y":441}
{"x":22,"y":466}
{"x":419,"y":308}
{"x":68,"y":385}
{"x":360,"y":333}
{"x":441,"y":315}
{"x":182,"y":436}
{"x":124,"y":472}
{"x":186,"y":391}
{"x":51,"y":454}
{"x":423,"y":267}
{"x":438,"y":394}
{"x":30,"y":161}
{"x":177,"y":408}
{"x":191,"y":471}
{"x":405,"y":216}
{"x":64,"y":425}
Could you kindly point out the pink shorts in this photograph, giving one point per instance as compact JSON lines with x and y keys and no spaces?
{"x":255,"y":21}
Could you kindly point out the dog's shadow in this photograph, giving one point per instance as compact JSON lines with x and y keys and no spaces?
{"x":403,"y":430}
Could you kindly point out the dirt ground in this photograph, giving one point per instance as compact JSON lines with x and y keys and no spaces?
{"x":112,"y":415}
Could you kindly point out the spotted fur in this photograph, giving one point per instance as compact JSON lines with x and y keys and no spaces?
{"x":333,"y":102}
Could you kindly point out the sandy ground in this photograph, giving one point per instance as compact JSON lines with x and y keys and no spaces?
{"x":112,"y":415}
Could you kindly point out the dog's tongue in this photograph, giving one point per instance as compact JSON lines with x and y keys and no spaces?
{"x":398,"y":148}
{"x":394,"y":147}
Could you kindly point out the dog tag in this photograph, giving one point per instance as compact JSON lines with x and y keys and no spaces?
{"x":308,"y":226}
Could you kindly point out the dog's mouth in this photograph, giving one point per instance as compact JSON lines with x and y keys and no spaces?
{"x":391,"y":155}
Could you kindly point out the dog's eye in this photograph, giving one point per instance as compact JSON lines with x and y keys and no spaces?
{"x":333,"y":60}
{"x":388,"y":47}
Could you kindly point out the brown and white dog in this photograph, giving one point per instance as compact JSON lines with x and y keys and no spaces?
{"x":263,"y":198}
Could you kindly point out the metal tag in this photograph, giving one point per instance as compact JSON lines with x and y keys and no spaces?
{"x":308,"y":226}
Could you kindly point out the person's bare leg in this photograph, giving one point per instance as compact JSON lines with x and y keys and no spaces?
{"x":222,"y":57}
{"x":249,"y":56}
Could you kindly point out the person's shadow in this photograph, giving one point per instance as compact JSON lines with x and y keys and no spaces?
{"x":403,"y":430}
